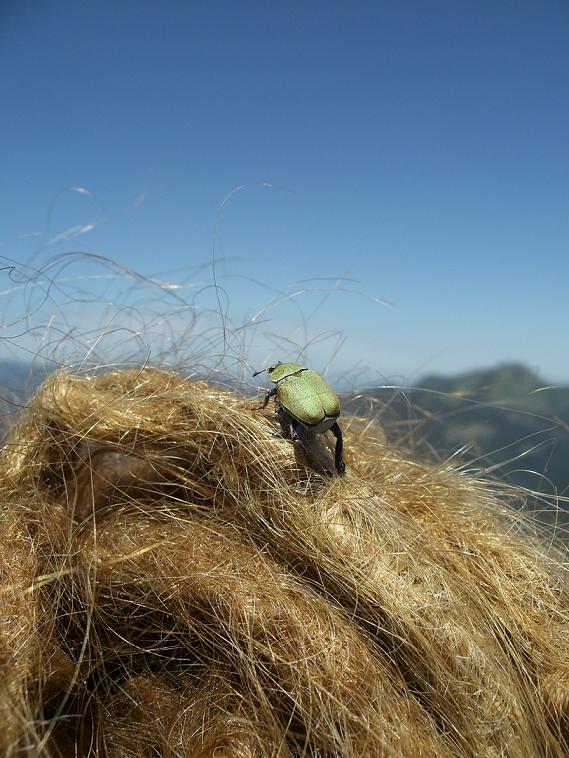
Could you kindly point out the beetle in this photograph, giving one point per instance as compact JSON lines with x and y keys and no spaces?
{"x":304,"y":401}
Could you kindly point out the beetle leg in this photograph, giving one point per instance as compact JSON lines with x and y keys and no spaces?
{"x":286,"y":422}
{"x":295,"y":427}
{"x":268,"y":396}
{"x":339,"y":461}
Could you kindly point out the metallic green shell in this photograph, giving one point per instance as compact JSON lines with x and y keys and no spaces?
{"x":306,"y":395}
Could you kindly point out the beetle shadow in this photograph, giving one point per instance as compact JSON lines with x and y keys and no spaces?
{"x":314,"y":450}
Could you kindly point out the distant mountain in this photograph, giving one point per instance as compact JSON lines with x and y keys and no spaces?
{"x":504,"y":420}
{"x":18,"y":380}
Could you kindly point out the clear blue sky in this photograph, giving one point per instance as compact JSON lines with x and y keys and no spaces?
{"x":418,"y":149}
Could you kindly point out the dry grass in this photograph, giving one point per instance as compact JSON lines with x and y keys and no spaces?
{"x":176,"y":581}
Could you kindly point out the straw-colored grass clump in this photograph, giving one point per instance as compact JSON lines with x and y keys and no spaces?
{"x":177,"y":581}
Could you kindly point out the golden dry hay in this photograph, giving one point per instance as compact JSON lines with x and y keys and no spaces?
{"x":176,"y":581}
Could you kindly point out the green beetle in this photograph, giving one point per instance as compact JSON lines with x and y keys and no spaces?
{"x":304,"y":401}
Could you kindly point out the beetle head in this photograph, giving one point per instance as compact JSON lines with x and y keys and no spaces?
{"x":282,"y":370}
{"x":268,"y":370}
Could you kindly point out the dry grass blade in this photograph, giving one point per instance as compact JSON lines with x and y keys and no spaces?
{"x":177,"y":581}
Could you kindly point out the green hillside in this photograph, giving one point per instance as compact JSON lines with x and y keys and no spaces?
{"x":505,"y":420}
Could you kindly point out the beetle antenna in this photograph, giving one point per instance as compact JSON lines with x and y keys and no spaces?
{"x":260,"y":371}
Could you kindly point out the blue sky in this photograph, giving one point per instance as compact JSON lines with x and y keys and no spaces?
{"x":417,"y":152}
